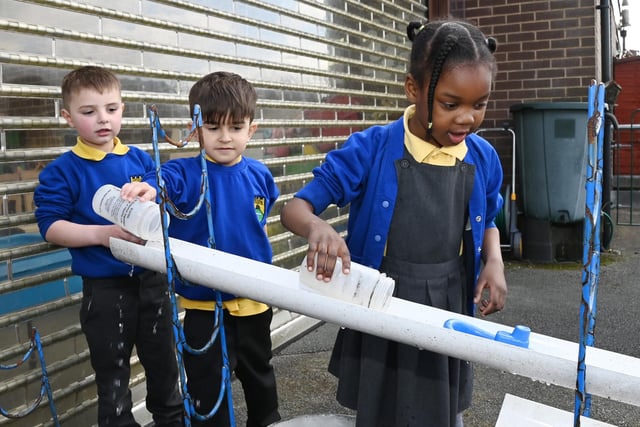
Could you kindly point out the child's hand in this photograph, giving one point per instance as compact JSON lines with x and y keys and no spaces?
{"x":112,"y":230}
{"x":325,"y":246}
{"x":491,"y":279}
{"x":132,"y":190}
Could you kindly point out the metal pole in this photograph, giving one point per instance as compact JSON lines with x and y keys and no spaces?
{"x":591,"y":249}
{"x":607,"y":75}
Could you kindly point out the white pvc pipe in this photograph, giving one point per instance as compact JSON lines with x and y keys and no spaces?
{"x":547,"y":359}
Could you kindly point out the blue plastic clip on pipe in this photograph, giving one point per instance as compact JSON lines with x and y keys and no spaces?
{"x":519,"y":337}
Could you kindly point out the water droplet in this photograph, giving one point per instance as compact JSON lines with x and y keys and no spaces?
{"x":119,"y":409}
{"x":120,"y":345}
{"x":119,"y":362}
{"x":120,"y":327}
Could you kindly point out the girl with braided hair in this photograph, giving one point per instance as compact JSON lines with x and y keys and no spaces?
{"x":423,"y":192}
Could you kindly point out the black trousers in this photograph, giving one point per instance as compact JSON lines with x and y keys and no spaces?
{"x":116,"y":314}
{"x":248,"y":341}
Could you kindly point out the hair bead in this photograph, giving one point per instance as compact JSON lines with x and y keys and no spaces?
{"x":492,"y":44}
{"x":413,"y":29}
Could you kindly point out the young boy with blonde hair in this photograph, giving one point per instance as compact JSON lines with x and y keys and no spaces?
{"x":122,"y":305}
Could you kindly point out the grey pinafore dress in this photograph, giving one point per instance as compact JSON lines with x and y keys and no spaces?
{"x":396,"y":385}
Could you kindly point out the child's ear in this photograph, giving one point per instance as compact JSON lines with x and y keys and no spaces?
{"x":65,"y":115}
{"x":411,"y":89}
{"x":252,"y":129}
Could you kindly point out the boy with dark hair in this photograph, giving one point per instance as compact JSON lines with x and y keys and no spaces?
{"x":122,"y":305}
{"x":243,"y":192}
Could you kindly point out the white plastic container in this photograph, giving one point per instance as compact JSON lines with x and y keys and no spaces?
{"x":363,"y":285}
{"x":137,"y":217}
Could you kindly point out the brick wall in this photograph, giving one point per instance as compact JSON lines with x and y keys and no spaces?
{"x":547,"y":52}
{"x":627,"y":155}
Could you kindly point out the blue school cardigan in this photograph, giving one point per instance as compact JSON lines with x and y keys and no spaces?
{"x":363,"y":174}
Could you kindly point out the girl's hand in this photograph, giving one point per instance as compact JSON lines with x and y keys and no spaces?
{"x":493,"y":281}
{"x":325,"y":246}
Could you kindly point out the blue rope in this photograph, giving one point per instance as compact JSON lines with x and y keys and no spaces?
{"x":591,"y":250}
{"x":45,"y":385}
{"x":168,"y":208}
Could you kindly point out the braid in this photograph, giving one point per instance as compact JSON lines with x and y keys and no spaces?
{"x":449,"y":43}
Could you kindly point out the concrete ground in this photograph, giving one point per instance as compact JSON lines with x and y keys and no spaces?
{"x":545,"y":297}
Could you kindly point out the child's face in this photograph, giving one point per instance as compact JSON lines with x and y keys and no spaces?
{"x":225,"y":142}
{"x":96,"y":116}
{"x":459,"y":104}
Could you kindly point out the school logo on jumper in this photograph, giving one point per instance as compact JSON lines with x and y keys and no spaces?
{"x":259,"y":202}
{"x":135,"y":178}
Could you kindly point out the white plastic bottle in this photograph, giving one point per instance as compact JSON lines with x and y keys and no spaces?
{"x":137,"y":217}
{"x":363,"y":285}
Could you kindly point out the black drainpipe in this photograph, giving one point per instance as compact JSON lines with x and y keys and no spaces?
{"x":607,"y":76}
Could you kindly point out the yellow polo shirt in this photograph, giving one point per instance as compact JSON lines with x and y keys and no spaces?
{"x":237,"y":307}
{"x":425,"y":152}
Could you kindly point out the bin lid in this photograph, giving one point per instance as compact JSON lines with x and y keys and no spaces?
{"x":549,"y":106}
